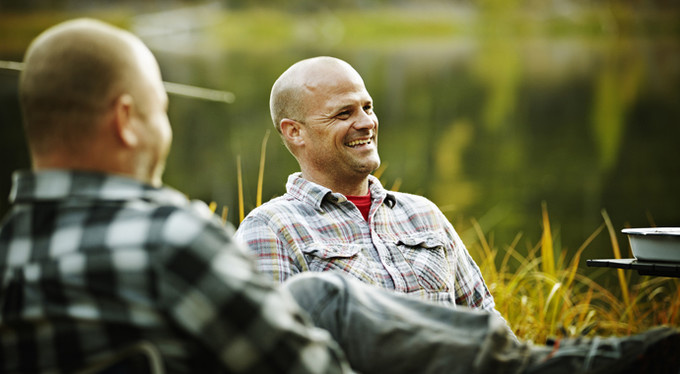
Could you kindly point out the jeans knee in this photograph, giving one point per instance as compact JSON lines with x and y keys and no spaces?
{"x":309,"y":288}
{"x":316,"y":282}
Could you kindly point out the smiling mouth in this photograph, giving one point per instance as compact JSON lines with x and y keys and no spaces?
{"x":358,"y":142}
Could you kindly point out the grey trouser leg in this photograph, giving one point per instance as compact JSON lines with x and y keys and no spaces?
{"x":385,"y":332}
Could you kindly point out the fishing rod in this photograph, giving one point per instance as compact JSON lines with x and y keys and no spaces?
{"x":172,"y":88}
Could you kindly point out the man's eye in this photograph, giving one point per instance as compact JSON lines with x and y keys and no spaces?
{"x":368,"y":109}
{"x":344,"y":114}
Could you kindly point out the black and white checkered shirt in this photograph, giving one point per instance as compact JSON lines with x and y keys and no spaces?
{"x":92,"y":262}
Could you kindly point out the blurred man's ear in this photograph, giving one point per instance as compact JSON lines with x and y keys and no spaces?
{"x":123,"y":120}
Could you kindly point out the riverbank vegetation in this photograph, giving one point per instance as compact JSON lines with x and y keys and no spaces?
{"x":543,"y":293}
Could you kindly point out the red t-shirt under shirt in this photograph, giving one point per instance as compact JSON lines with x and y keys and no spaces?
{"x":363,"y":203}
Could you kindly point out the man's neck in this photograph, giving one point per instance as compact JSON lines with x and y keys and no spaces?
{"x":349,"y":187}
{"x":113,"y":164}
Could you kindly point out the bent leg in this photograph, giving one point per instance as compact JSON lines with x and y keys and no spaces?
{"x":381,"y":331}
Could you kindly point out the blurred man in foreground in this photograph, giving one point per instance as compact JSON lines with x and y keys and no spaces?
{"x":96,"y":255}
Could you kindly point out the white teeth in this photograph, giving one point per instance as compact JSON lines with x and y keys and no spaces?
{"x":358,"y":142}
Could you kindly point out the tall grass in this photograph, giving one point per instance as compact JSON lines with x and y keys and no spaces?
{"x":542,"y":293}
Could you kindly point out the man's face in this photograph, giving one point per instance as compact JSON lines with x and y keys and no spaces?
{"x":340,"y":129}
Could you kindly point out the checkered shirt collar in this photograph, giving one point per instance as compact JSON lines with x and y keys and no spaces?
{"x":315,"y":194}
{"x":85,"y":185}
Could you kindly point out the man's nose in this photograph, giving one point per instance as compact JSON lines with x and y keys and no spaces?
{"x":366,"y":121}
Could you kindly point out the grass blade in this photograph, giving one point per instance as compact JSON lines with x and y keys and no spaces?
{"x":239,"y":179}
{"x":617,"y":254}
{"x":260,"y":176}
{"x":547,"y":254}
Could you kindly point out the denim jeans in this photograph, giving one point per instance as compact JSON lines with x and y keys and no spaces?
{"x":385,"y":332}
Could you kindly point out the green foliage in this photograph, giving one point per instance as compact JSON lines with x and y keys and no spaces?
{"x":18,"y":28}
{"x":543,"y":294}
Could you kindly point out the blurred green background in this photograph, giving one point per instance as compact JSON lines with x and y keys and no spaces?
{"x":488,"y":108}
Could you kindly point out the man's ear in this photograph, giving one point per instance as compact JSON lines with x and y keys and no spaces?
{"x":123,"y":121}
{"x":292,"y":131}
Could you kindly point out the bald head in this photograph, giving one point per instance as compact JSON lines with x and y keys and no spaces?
{"x":93,"y":99}
{"x":72,"y":73}
{"x":325,"y":116}
{"x":290,"y":90}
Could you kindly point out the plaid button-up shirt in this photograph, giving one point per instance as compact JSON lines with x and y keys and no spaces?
{"x":91,"y":263}
{"x":407,"y":245}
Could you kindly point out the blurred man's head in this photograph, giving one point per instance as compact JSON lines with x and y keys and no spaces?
{"x":93,"y":99}
{"x":324,"y":113}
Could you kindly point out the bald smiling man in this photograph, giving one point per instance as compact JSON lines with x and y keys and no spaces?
{"x":336,"y":215}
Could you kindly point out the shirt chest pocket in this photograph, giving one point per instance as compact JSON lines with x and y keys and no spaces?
{"x":349,"y":258}
{"x":427,"y":255}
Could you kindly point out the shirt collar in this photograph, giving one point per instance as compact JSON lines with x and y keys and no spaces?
{"x":314,"y":194}
{"x":61,"y":184}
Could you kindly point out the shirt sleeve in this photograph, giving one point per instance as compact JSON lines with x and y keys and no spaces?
{"x":471,"y":289}
{"x":273,"y":258}
{"x":210,"y":287}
